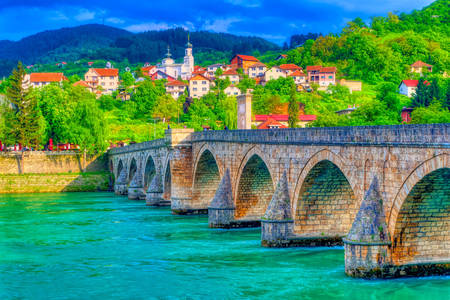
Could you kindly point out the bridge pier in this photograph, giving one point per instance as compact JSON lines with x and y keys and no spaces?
{"x":120,"y":187}
{"x":155,"y":193}
{"x":136,"y":189}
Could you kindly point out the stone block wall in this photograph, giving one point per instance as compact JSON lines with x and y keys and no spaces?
{"x":206,"y":180}
{"x":327,"y":205}
{"x":423,"y":225}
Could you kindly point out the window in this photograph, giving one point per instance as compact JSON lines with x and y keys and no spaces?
{"x":261,"y":68}
{"x":204,"y":89}
{"x":111,"y":77}
{"x":323,"y":77}
{"x":103,"y":83}
{"x":330,"y":77}
{"x":194,"y":82}
{"x":195,"y":89}
{"x":203,"y":82}
{"x":102,"y":77}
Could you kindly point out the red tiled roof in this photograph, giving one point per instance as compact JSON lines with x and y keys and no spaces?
{"x":420,"y":64}
{"x":411,"y":82}
{"x":313,"y":68}
{"x":247,"y":57}
{"x":47,"y":77}
{"x":199,"y":72}
{"x":230,"y":72}
{"x":298,"y":73}
{"x":290,"y":67}
{"x":148,"y":68}
{"x":257,"y":64}
{"x":328,"y":70}
{"x":271,"y":122}
{"x":199,"y":77}
{"x":82,"y":83}
{"x":107,"y":72}
{"x":176,"y":83}
{"x":283,"y":55}
{"x":284,"y":117}
{"x":198,"y":68}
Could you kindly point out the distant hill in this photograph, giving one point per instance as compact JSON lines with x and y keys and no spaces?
{"x":96,"y":41}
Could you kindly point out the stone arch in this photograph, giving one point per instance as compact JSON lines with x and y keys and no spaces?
{"x":428,"y":166}
{"x":324,"y":201}
{"x":206,"y":178}
{"x":133,"y":168}
{"x":149,"y":171}
{"x":254,"y":187}
{"x":420,"y":233}
{"x":119,"y":168}
{"x":167,"y":180}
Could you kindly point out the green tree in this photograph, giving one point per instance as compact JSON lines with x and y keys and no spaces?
{"x":22,"y":118}
{"x":127,"y":80}
{"x":293,"y":108}
{"x":166,"y":108}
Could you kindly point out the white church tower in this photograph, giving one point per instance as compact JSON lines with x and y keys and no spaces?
{"x":188,"y":64}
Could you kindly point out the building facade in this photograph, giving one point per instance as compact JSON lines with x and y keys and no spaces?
{"x":106,"y":80}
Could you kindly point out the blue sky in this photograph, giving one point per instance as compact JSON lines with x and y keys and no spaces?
{"x":275,"y":20}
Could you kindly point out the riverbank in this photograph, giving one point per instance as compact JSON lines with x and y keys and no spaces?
{"x":54,"y":183}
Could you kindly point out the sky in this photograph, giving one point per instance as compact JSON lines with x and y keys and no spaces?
{"x":275,"y":20}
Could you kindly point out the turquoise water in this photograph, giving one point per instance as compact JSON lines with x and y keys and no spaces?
{"x":101,"y":246}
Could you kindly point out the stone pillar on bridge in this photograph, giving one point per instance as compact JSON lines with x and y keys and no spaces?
{"x":277,"y":224}
{"x":221,"y":211}
{"x":154,"y":195}
{"x":136,"y":189}
{"x":120,"y":187}
{"x":181,"y":161}
{"x":367,"y":246}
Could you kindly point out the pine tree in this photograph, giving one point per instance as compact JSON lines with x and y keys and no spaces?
{"x":293,"y":108}
{"x":23,"y":115}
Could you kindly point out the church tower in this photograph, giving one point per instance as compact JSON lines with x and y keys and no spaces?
{"x":188,"y":64}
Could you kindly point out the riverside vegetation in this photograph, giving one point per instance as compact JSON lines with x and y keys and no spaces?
{"x":379,"y":54}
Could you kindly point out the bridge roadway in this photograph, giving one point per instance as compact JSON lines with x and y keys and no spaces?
{"x":382,"y":191}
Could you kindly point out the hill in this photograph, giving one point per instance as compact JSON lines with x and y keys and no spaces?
{"x":100,"y":42}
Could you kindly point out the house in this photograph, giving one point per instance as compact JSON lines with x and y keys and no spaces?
{"x":107,"y":79}
{"x":199,"y":85}
{"x":290,"y":68}
{"x":42,"y":79}
{"x":161,"y":75}
{"x":419,"y":66}
{"x":408,"y":87}
{"x":323,"y":76}
{"x":84,"y":84}
{"x":283,"y":119}
{"x":243,"y":61}
{"x":232,"y":75}
{"x":256,"y":70}
{"x":353,"y":85}
{"x":149,"y":70}
{"x":281,"y":56}
{"x":347,"y":111}
{"x":298,"y":76}
{"x":232,"y":90}
{"x":271,"y":123}
{"x":274,"y":73}
{"x":213,"y":68}
{"x":406,"y":114}
{"x":176,"y":88}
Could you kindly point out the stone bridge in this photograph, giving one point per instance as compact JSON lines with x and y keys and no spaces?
{"x":382,"y":191}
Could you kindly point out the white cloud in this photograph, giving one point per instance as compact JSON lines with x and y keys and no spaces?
{"x":157,"y":26}
{"x":219,"y":25}
{"x":115,"y":20}
{"x":58,"y":16}
{"x":245,"y":3}
{"x":85,"y":15}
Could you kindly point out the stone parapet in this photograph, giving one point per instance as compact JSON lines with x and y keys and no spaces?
{"x":424,"y":135}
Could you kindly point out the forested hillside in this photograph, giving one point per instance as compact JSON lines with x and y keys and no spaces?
{"x":99,"y":42}
{"x":383,"y":50}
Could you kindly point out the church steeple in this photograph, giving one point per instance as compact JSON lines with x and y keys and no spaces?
{"x":168,"y":55}
{"x":188,"y":45}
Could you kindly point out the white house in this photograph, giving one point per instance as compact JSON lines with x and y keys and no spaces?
{"x":408,"y":87}
{"x":274,"y":73}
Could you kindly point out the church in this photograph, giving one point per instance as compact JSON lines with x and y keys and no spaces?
{"x":174,"y":70}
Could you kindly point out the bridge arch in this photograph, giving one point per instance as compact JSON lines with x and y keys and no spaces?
{"x":324,"y":201}
{"x":419,"y":219}
{"x":119,"y":168}
{"x":149,"y":171}
{"x":254,"y":186}
{"x":206,"y":177}
{"x":132,"y":170}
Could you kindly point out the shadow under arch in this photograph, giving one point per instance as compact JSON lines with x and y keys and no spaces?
{"x":206,"y":179}
{"x":167,"y":181}
{"x":132,"y":170}
{"x":254,"y":189}
{"x":149,"y":172}
{"x":324,"y":201}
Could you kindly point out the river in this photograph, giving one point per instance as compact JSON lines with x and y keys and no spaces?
{"x":101,"y":246}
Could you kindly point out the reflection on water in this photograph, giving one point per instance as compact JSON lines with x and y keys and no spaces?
{"x":97,"y":246}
